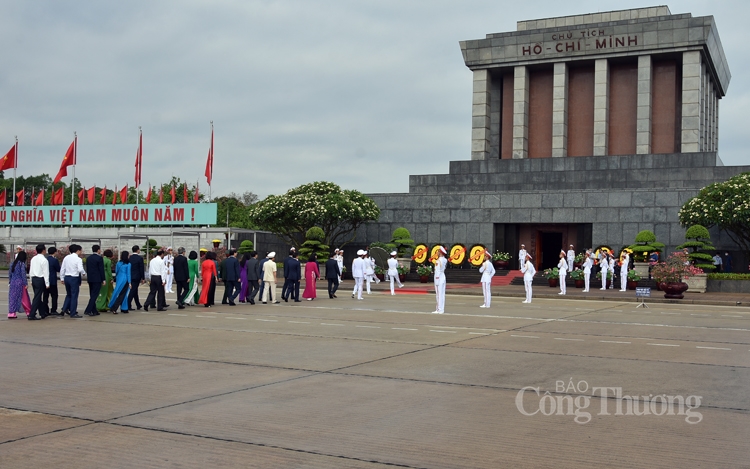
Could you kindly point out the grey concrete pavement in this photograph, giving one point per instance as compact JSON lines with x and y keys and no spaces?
{"x":377,"y":383}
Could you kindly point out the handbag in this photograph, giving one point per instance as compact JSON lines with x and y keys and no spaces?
{"x":26,"y":301}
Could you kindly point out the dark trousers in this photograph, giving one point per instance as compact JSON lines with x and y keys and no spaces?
{"x":261,"y":287}
{"x":231,"y":290}
{"x":155,"y":298}
{"x":182,"y":290}
{"x":94,"y":289}
{"x":253,"y":290}
{"x":51,"y":294}
{"x":333,"y":285}
{"x":134,"y":284}
{"x":37,"y":283}
{"x":72,"y":288}
{"x":290,"y":289}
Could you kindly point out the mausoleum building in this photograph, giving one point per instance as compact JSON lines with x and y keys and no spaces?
{"x":585,"y":130}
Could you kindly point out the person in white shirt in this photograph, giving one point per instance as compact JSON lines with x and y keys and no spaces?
{"x":39,"y":273}
{"x":522,"y":256}
{"x":71,"y":272}
{"x":624,"y":263}
{"x":528,"y":277}
{"x":169,"y":265}
{"x":158,"y":272}
{"x":612,"y":270}
{"x":562,"y":266}
{"x":340,"y":261}
{"x":718,"y":262}
{"x":604,"y":265}
{"x":393,"y":272}
{"x":358,"y":272}
{"x":571,"y":257}
{"x":488,"y":271}
{"x":587,"y":264}
{"x":370,"y":271}
{"x":440,"y":264}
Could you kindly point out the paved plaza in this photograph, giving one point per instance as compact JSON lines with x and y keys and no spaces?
{"x":380,"y":383}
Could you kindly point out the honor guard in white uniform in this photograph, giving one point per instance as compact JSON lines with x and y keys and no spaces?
{"x":528,"y":277}
{"x":522,"y":256}
{"x":624,"y":272}
{"x":440,"y":264}
{"x":393,"y":272}
{"x":604,"y":265}
{"x":488,"y":271}
{"x":562,"y":266}
{"x":370,"y":271}
{"x":358,"y":272}
{"x":169,"y":265}
{"x":587,"y":264}
{"x":571,"y":258}
{"x":612,"y":269}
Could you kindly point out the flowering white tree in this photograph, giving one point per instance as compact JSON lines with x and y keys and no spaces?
{"x":339,"y":213}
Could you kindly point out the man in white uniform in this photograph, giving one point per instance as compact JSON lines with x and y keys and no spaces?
{"x":571,"y":258}
{"x":358,"y":272}
{"x":169,"y":265}
{"x":528,"y":277}
{"x":604,"y":265}
{"x":587,"y":264}
{"x":562,"y":267}
{"x":440,"y":265}
{"x":393,"y":272}
{"x":488,"y":271}
{"x":624,"y":272}
{"x":522,"y":256}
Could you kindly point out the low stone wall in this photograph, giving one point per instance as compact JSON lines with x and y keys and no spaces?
{"x":728,"y":286}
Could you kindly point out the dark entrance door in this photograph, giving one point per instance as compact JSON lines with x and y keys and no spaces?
{"x":550,"y":249}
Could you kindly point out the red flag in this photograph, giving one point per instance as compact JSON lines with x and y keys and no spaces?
{"x":139,"y":162}
{"x":20,"y":195}
{"x":58,"y":196}
{"x":124,"y":195}
{"x":161,"y":195}
{"x":114,"y":195}
{"x":210,"y":159}
{"x":184,"y":193}
{"x":3,"y":198}
{"x":148,"y":196}
{"x":173,"y":193}
{"x":103,"y":196}
{"x":91,"y":194}
{"x":9,"y":160}
{"x":39,"y":198}
{"x":81,"y":196}
{"x":196,"y":196}
{"x":69,"y":160}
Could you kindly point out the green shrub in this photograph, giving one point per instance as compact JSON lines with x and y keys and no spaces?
{"x":698,"y":245}
{"x":728,"y":276}
{"x":314,"y":244}
{"x":645,"y":243}
{"x":402,"y":242}
{"x":246,"y":247}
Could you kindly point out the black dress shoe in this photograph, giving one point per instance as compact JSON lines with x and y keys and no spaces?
{"x":96,"y":313}
{"x":252,"y":302}
{"x":33,"y":318}
{"x":232,"y":304}
{"x":162,"y":309}
{"x":297,"y":301}
{"x":335,"y":296}
{"x":139,"y":308}
{"x":89,"y":314}
{"x":224,"y":303}
{"x":145,"y":308}
{"x":181,"y":307}
{"x":75,"y":316}
{"x":125,"y":312}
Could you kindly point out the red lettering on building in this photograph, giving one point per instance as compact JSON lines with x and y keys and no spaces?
{"x":179,"y":214}
{"x":158,"y":214}
{"x":101,"y":215}
{"x":116,"y":214}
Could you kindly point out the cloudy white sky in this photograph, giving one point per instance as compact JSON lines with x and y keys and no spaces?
{"x":361,"y":93}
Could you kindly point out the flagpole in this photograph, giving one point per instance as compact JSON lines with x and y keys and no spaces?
{"x":15,"y":165}
{"x":212,"y":160}
{"x":140,"y":166}
{"x":75,"y":160}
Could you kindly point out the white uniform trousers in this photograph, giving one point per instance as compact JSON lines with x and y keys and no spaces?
{"x":440,"y":294}
{"x":487,"y":294}
{"x":170,"y":279}
{"x":604,"y":279}
{"x":586,"y":280}
{"x":368,"y":279}
{"x":562,"y":282}
{"x":527,"y":285}
{"x":394,"y":278}
{"x":570,"y":265}
{"x":623,"y":279}
{"x":358,"y":287}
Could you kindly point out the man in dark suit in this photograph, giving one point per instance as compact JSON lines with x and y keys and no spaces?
{"x":293,"y":277}
{"x":332,"y":275}
{"x":252,"y":277}
{"x":137,"y":277}
{"x":287,"y":269}
{"x":51,"y":292}
{"x":231,"y":276}
{"x":95,"y":277}
{"x":181,"y":277}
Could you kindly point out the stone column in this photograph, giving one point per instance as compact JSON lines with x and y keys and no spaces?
{"x":716,"y":124}
{"x":480,"y":116}
{"x":691,"y":102}
{"x":560,"y":110}
{"x":520,"y":112}
{"x":643,"y":123}
{"x":601,"y":107}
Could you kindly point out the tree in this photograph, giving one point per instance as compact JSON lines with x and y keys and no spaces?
{"x":314,"y":244}
{"x":645,"y":243}
{"x":246,"y":247}
{"x":699,"y":241}
{"x":247,"y":198}
{"x":725,"y":205}
{"x":339,"y":213}
{"x":402,"y":241}
{"x":238,"y":213}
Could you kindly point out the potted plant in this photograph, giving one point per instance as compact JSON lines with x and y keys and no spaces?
{"x":645,"y":244}
{"x":379,"y":273}
{"x":671,"y":273}
{"x":609,"y":278}
{"x":402,"y":242}
{"x":402,"y":271}
{"x":553,"y":276}
{"x":698,"y":244}
{"x":633,"y":278}
{"x":578,"y":260}
{"x":577,"y":276}
{"x":501,"y":260}
{"x":424,"y":271}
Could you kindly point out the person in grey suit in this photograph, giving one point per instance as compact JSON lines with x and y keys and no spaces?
{"x":231,"y":277}
{"x":252,"y":277}
{"x":332,"y":275}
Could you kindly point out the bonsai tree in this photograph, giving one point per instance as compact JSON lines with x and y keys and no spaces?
{"x":246,"y":247}
{"x":645,"y":243}
{"x":699,"y":243}
{"x":314,"y":244}
{"x":402,"y":242}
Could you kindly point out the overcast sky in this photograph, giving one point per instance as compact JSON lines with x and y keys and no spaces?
{"x":361,"y":93}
